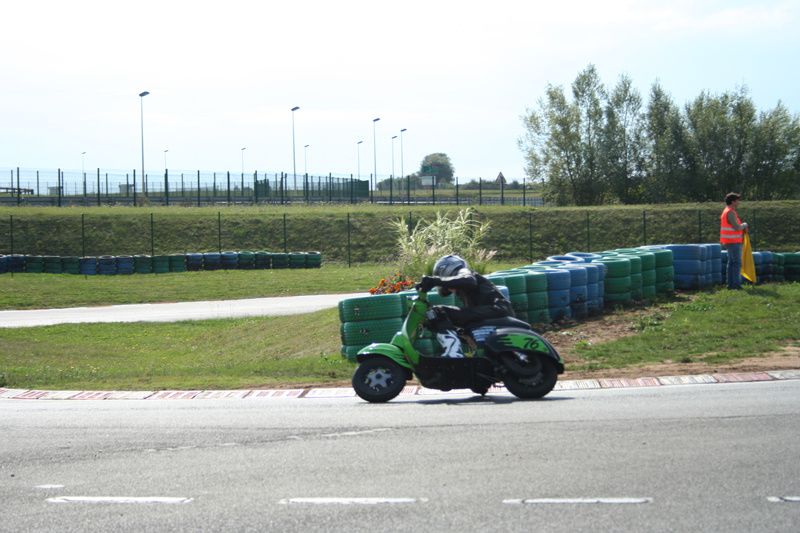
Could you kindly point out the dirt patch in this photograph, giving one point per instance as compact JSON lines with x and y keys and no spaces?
{"x":565,"y":336}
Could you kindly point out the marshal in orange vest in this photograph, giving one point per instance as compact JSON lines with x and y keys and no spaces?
{"x":727,"y":233}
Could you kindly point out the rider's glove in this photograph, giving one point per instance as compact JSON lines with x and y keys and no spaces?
{"x":427,"y":283}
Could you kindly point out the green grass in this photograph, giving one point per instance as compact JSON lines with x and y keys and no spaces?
{"x":41,"y":291}
{"x":38,"y":291}
{"x":715,"y":327}
{"x":516,"y":233}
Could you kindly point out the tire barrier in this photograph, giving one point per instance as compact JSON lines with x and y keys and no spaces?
{"x":159,"y":264}
{"x":791,"y":266}
{"x":617,"y":282}
{"x":371,"y":319}
{"x":88,"y":266}
{"x":106,"y":265}
{"x":125,"y":264}
{"x":71,"y":265}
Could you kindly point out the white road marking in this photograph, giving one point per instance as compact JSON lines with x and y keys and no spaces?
{"x":352,"y":433}
{"x":572,"y":501}
{"x":784,"y":499}
{"x":119,"y":499}
{"x":350,"y":501}
{"x":49,"y":486}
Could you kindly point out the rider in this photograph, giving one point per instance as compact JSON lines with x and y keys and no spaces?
{"x":482,"y":301}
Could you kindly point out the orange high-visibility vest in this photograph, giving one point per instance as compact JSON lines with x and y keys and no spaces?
{"x":727,"y":233}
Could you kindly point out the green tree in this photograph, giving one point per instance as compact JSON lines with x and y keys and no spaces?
{"x":623,"y":143}
{"x":666,"y":174}
{"x":775,"y":159}
{"x":438,"y":165}
{"x":563,"y":142}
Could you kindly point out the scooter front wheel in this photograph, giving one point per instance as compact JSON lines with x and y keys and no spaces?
{"x":379,"y":379}
{"x":539,"y":379}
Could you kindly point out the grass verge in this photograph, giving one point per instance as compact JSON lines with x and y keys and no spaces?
{"x":714,"y":327}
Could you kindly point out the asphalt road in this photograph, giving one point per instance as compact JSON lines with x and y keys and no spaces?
{"x":172,"y":312}
{"x":720,"y":457}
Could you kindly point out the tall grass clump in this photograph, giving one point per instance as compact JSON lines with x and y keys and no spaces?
{"x":454,"y":233}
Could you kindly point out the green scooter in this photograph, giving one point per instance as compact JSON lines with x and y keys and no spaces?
{"x":514,"y":354}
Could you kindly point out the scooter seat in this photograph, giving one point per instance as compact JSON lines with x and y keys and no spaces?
{"x":506,"y":322}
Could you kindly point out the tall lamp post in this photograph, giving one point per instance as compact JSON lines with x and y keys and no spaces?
{"x":242,"y":150}
{"x":165,"y":158}
{"x":402,"y":174}
{"x":374,"y":160}
{"x":305,"y":159}
{"x":294,"y":163}
{"x":141,"y":116}
{"x":391,"y":178}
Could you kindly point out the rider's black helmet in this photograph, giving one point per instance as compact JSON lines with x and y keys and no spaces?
{"x":448,"y":266}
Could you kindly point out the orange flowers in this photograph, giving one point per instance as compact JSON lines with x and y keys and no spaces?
{"x":396,"y":283}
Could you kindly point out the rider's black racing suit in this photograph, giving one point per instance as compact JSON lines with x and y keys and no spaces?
{"x":482,"y":301}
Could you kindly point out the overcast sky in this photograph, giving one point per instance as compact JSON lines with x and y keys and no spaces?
{"x":457,"y":74}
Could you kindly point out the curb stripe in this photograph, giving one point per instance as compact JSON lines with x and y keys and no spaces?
{"x":119,"y":499}
{"x":579,"y":501}
{"x":409,"y":390}
{"x":350,"y":501}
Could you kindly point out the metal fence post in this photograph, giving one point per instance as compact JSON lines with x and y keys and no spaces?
{"x":83,"y":235}
{"x":11,"y":234}
{"x":349,"y":263}
{"x":19,"y":190}
{"x":644,"y":227}
{"x":198,"y":188}
{"x":588,"y":234}
{"x":219,"y":231}
{"x":229,"y":187}
{"x":166,"y":185}
{"x":134,"y":187}
{"x":58,"y":188}
{"x":98,"y":187}
{"x":152,"y":236}
{"x":285,"y":244}
{"x":530,"y":236}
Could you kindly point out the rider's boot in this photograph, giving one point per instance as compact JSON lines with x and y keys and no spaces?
{"x":451,"y":344}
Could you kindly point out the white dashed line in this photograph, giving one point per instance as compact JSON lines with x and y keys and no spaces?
{"x":49,"y":486}
{"x":350,"y":501}
{"x":784,"y":499}
{"x":579,"y":501}
{"x":119,"y":499}
{"x":353,"y":433}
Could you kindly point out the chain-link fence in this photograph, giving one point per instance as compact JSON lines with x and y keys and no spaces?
{"x":63,"y":188}
{"x":370,"y":235}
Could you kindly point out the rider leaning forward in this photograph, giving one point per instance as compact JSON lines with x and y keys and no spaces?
{"x":482,"y":301}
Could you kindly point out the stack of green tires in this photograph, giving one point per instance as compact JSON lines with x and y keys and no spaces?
{"x":665,"y":272}
{"x":636,"y":274}
{"x":369,"y":319}
{"x":297,"y":260}
{"x":778,"y":267}
{"x":617,"y":283}
{"x":160,"y":264}
{"x":791,"y":266}
{"x":34,"y":264}
{"x":71,"y":265}
{"x":313,"y":260}
{"x":52,"y":264}
{"x":538,"y":304}
{"x":142,"y":264}
{"x":247,"y":260}
{"x":263,"y":260}
{"x":280,"y":260}
{"x":648,"y":265}
{"x":177,"y":263}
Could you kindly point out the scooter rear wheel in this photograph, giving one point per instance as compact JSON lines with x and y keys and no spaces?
{"x":537,"y":384}
{"x":379,"y":379}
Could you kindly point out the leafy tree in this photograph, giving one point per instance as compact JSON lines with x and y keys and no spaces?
{"x":666,"y":178}
{"x":438,"y":165}
{"x":623,"y":143}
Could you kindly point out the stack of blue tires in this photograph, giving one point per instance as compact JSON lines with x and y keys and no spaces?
{"x":107,"y":265}
{"x":194,"y":262}
{"x":88,"y":266}
{"x":3,"y":264}
{"x":689,"y":262}
{"x":125,"y":264}
{"x":212,"y":261}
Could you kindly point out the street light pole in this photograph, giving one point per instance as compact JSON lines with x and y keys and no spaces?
{"x":374,"y":160}
{"x":141,"y":116}
{"x":391,"y":178}
{"x":402,"y":174}
{"x":294,"y":163}
{"x":165,"y":158}
{"x":242,"y":150}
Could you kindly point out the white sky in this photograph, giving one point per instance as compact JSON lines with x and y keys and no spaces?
{"x":457,"y":74}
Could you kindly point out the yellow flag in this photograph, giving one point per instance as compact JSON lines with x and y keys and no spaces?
{"x":748,"y":265}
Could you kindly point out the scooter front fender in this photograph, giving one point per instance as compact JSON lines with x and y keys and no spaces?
{"x":383,"y":349}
